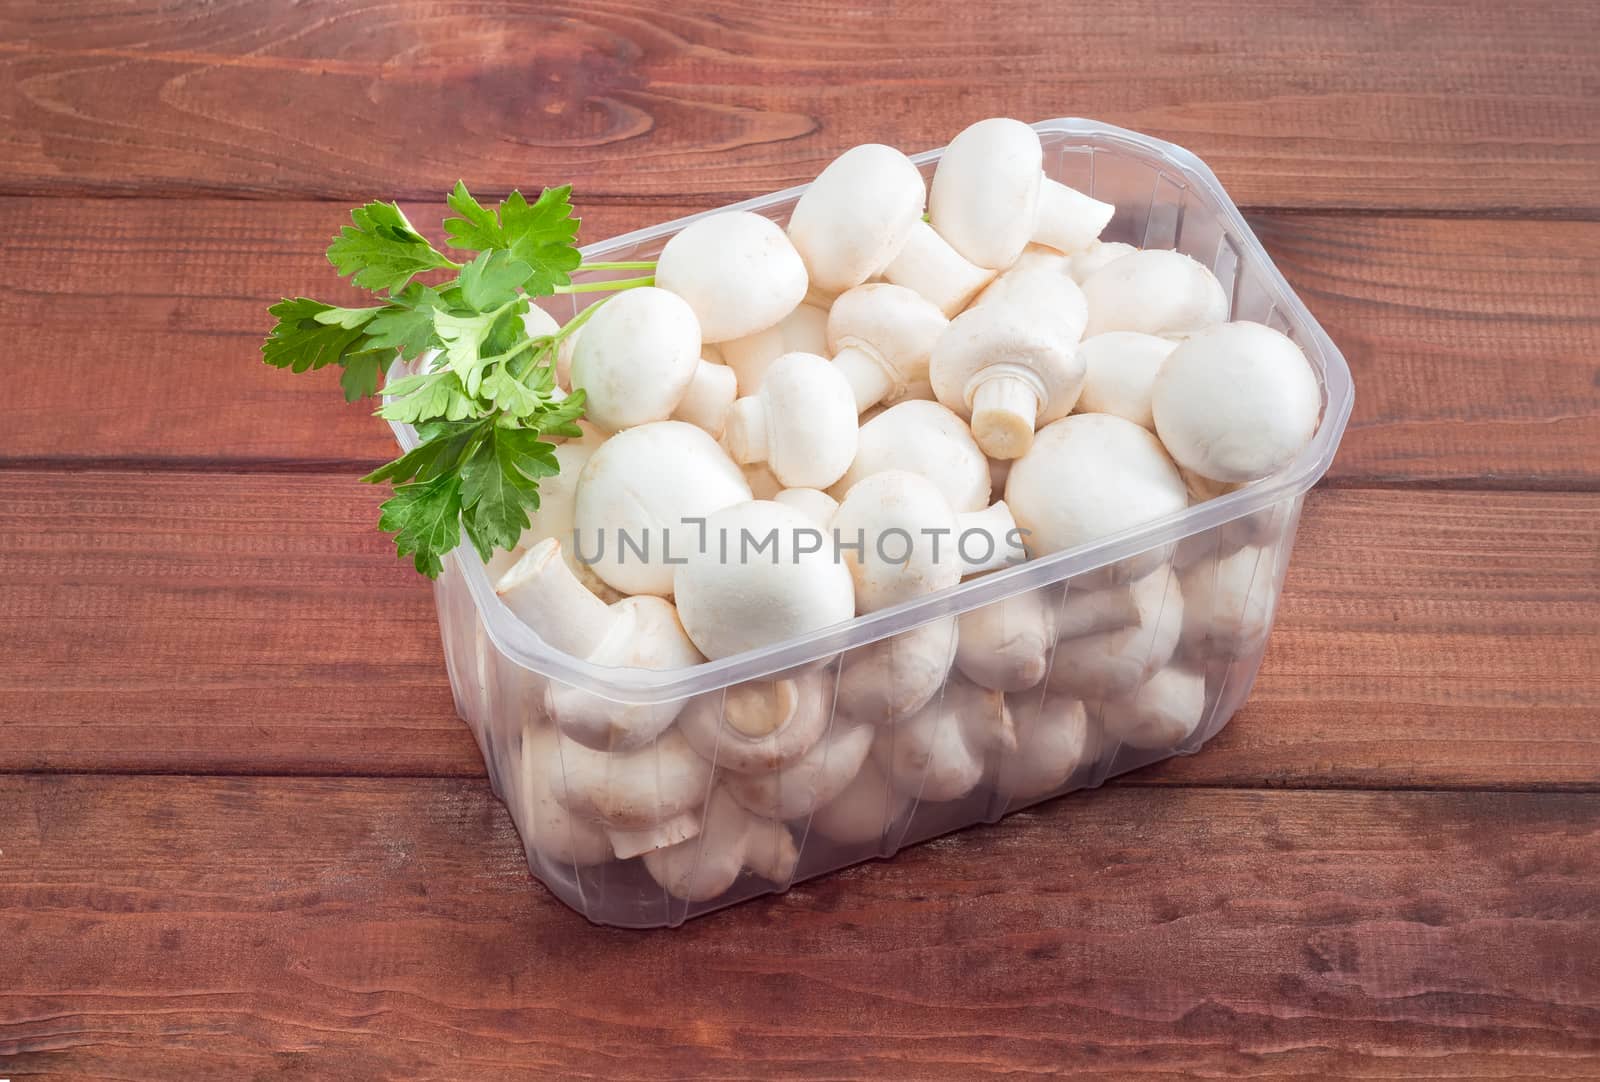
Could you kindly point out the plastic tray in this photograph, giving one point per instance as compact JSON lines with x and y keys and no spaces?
{"x":1228,"y":557}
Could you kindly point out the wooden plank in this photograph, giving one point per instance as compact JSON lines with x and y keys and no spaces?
{"x":260,"y":624}
{"x":1473,"y":342}
{"x":1296,"y":103}
{"x":173,"y":928}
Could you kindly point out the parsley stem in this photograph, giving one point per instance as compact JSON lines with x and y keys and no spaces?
{"x":603,"y":287}
{"x":635,"y":264}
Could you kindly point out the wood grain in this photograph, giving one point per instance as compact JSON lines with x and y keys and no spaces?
{"x":1295,"y":103}
{"x":259,"y":623}
{"x":395,"y":933}
{"x":1474,"y":343}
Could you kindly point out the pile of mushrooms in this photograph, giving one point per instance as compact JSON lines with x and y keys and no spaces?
{"x":966,"y":365}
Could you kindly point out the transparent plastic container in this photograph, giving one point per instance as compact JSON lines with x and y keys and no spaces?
{"x":1115,"y":655}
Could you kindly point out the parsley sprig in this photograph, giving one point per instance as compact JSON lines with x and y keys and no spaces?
{"x":483,"y":396}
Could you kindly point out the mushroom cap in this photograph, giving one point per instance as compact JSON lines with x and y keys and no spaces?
{"x":855,"y":217}
{"x":926,"y":438}
{"x":1053,"y":739}
{"x":896,"y":324}
{"x":817,"y":777}
{"x":1111,"y":664}
{"x":731,"y":840}
{"x":1042,"y":289}
{"x":636,"y":358}
{"x":538,"y":323}
{"x":1089,"y":476}
{"x":1162,"y":714}
{"x":629,"y":790}
{"x":1004,"y":338}
{"x":804,"y":330}
{"x":893,"y":678}
{"x":1156,"y":291}
{"x":646,"y":634}
{"x":938,"y":754}
{"x":545,"y":825}
{"x":648,"y":482}
{"x":1006,"y":644}
{"x":1082,"y":264}
{"x":889,"y":512}
{"x":864,"y":811}
{"x":759,"y":593}
{"x":985,"y":191}
{"x":1236,"y":402}
{"x":813,"y":503}
{"x":1119,"y":371}
{"x":736,"y":269}
{"x":1228,"y":603}
{"x":811,"y":427}
{"x":762,"y":725}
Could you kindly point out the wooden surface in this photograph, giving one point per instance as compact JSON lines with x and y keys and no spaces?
{"x":242,"y":834}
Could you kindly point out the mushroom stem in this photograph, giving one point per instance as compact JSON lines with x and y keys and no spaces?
{"x":931,"y":267}
{"x":994,"y":522}
{"x":1068,"y":220}
{"x":745,"y":434}
{"x":544,"y":593}
{"x":711,"y":392}
{"x":870,"y":379}
{"x":1004,"y":408}
{"x":632,"y":843}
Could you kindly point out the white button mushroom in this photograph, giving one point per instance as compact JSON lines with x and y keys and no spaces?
{"x":816,"y":778}
{"x":880,"y":336}
{"x":1007,"y":369}
{"x":736,"y":269}
{"x":1090,"y":476}
{"x":757,"y":580}
{"x":813,"y":503}
{"x":1236,"y":402}
{"x":1120,"y":370}
{"x":901,"y":541}
{"x":762,"y":725}
{"x":636,"y":499}
{"x":928,"y":439}
{"x":1228,"y":603}
{"x":731,"y":840}
{"x":1042,"y":291}
{"x":802,"y":423}
{"x":1006,"y":644}
{"x":857,"y":216}
{"x":893,"y":678}
{"x":708,"y":398}
{"x":990,"y":197}
{"x":637,"y":357}
{"x":1082,"y":264}
{"x":637,"y":632}
{"x":645,"y":799}
{"x":1054,"y":738}
{"x":1092,"y":607}
{"x":1162,"y":714}
{"x":928,"y":265}
{"x":864,"y":812}
{"x":1154,"y":291}
{"x":939,"y":754}
{"x":804,"y":330}
{"x":1111,"y":664}
{"x":544,"y":824}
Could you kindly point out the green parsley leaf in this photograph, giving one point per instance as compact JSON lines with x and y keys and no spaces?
{"x":477,"y":228}
{"x":541,"y":234}
{"x":427,"y":396}
{"x":382,"y":250}
{"x":407,"y":331}
{"x":425,"y":517}
{"x":349,"y":318}
{"x":301,"y":341}
{"x":492,"y":279}
{"x":361,"y":373}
